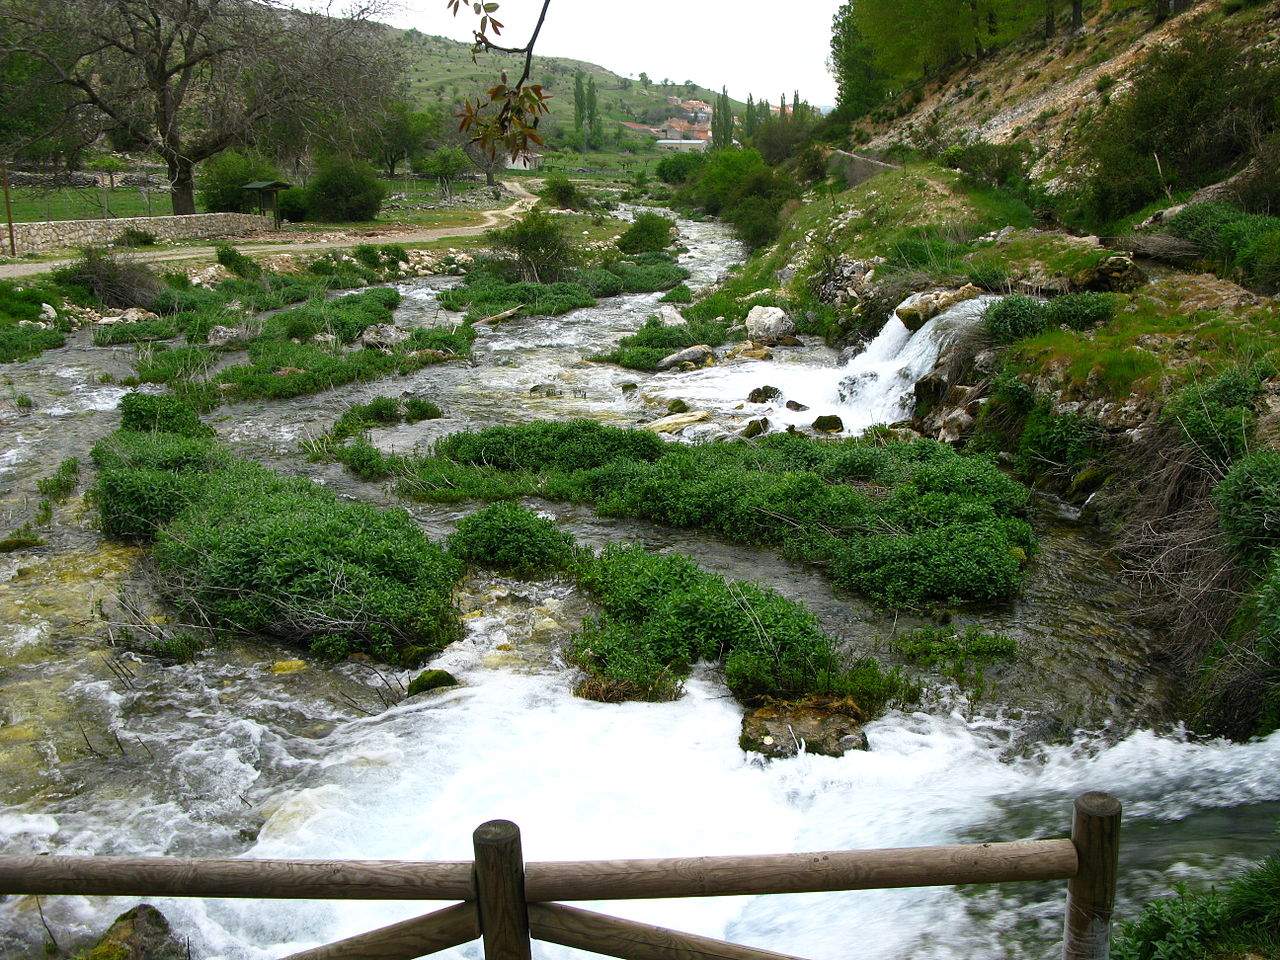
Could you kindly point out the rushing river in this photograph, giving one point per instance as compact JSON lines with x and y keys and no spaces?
{"x":237,"y":753}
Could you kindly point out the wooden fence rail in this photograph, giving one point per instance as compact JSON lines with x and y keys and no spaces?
{"x":507,"y":902}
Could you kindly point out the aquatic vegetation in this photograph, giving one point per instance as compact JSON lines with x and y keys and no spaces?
{"x":511,"y":539}
{"x":652,"y":343}
{"x":649,"y":232}
{"x":429,"y":680}
{"x":62,"y":482}
{"x":145,"y":412}
{"x":901,"y":523}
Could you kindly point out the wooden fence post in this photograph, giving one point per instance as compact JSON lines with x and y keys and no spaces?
{"x":1091,"y":893}
{"x":499,"y":883}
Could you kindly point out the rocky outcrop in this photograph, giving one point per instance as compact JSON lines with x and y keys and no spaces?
{"x":855,"y":168}
{"x":919,"y":308}
{"x":769,"y":325}
{"x":1115,"y":274}
{"x":826,"y":726}
{"x":142,"y":933}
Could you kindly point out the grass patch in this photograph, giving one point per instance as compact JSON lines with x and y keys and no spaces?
{"x":62,"y":482}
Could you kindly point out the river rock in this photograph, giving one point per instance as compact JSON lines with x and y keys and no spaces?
{"x":281,"y":667}
{"x":220,"y":336}
{"x":132,"y":315}
{"x":956,"y":425}
{"x":383,"y":336}
{"x":763,"y":394}
{"x":677,"y":406}
{"x":696,"y":355}
{"x":755,"y":428}
{"x":669,"y":316}
{"x":822,"y":725}
{"x":919,"y":308}
{"x":677,"y":422}
{"x":629,"y":387}
{"x":768,"y":324}
{"x":429,"y":680}
{"x":930,"y":390}
{"x":141,"y":933}
{"x":828,"y":423}
{"x":1116,"y":274}
{"x":796,"y":406}
{"x":47,"y":313}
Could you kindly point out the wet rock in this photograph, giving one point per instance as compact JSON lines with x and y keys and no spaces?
{"x":669,"y":316}
{"x":820,"y":725}
{"x":755,"y":428}
{"x":749,"y":351}
{"x":828,"y":423}
{"x":142,"y":933}
{"x":544,"y":390}
{"x":383,"y":336}
{"x":696,"y":355}
{"x":986,"y":362}
{"x":220,"y":336}
{"x":796,"y":405}
{"x":763,"y":394}
{"x":677,"y":406}
{"x":919,"y":308}
{"x":429,"y":680}
{"x":768,"y":324}
{"x":930,"y":390}
{"x":47,"y":313}
{"x":1116,"y":274}
{"x":288,"y":666}
{"x":629,"y":387}
{"x":677,"y":422}
{"x":957,"y":425}
{"x":850,"y":387}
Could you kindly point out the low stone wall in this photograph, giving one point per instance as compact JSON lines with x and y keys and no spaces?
{"x":61,"y":234}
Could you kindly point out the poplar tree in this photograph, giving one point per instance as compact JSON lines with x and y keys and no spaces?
{"x":749,"y":118}
{"x":579,"y":102}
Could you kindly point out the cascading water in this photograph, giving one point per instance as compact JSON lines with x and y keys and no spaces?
{"x":223,"y":757}
{"x":873,"y":387}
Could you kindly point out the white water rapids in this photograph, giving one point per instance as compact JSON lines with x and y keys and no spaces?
{"x":247,"y":763}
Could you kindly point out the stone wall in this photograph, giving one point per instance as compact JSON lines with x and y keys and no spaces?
{"x":63,"y":234}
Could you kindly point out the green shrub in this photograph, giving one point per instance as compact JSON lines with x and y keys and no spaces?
{"x":344,"y":190}
{"x":1015,"y":318}
{"x":648,"y":346}
{"x":1240,"y":918}
{"x":1248,"y":504}
{"x":133,"y":504}
{"x":282,"y":557}
{"x":145,"y":412}
{"x":680,"y":294}
{"x":291,"y":205}
{"x":487,"y":296}
{"x":1215,"y":416}
{"x":1239,"y":243}
{"x":419,"y":408}
{"x":1080,"y":311}
{"x":133,"y":237}
{"x":163,"y":365}
{"x":23,"y":343}
{"x":560,"y":191}
{"x":221,"y":179}
{"x":1056,"y":442}
{"x":540,"y":244}
{"x":679,"y":167}
{"x":237,"y":262}
{"x":551,"y":445}
{"x":62,"y":482}
{"x":511,"y":539}
{"x":649,"y":232}
{"x":153,"y":450}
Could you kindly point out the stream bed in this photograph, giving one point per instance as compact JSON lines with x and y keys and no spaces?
{"x":247,"y":752}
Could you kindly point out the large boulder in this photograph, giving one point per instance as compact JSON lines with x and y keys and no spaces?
{"x":823,"y":725}
{"x":669,"y":316}
{"x":764,"y":394}
{"x":1115,"y":274}
{"x":142,"y":933}
{"x":828,"y":423}
{"x":695,"y":355}
{"x":769,"y":324}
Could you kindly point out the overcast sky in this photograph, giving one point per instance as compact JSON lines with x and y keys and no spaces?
{"x":763,"y":47}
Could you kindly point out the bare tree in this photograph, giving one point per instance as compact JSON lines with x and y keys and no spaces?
{"x":191,"y":78}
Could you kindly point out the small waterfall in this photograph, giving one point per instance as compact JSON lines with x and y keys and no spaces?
{"x":873,"y":387}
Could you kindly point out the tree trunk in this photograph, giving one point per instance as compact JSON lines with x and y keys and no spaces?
{"x":1077,"y":15}
{"x":489,"y":179}
{"x":1161,"y":11}
{"x":182,"y":187}
{"x":1049,"y":19}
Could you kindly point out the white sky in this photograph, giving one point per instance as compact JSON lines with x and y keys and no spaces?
{"x":763,"y":47}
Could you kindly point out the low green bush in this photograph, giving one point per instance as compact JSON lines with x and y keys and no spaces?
{"x":1056,"y":443}
{"x":344,"y":190}
{"x":154,"y":450}
{"x":1015,"y":318}
{"x":1240,"y":918}
{"x":679,"y":167}
{"x":23,"y":343}
{"x":133,"y":504}
{"x":419,"y":408}
{"x":1248,"y":504}
{"x":1080,"y":311}
{"x":1215,"y":416}
{"x":510,"y":539}
{"x":560,"y":191}
{"x":653,"y":342}
{"x":146,"y":412}
{"x":62,"y":482}
{"x":1240,"y":244}
{"x":678,"y":294}
{"x":178,"y":363}
{"x":961,"y":656}
{"x":237,"y":262}
{"x":291,"y":205}
{"x":648,"y":233}
{"x":220,"y":180}
{"x":550,"y":445}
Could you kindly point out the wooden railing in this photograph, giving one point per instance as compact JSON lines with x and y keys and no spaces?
{"x":507,"y":902}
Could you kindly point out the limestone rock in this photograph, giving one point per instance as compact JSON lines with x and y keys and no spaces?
{"x":288,"y":666}
{"x":1116,"y":274}
{"x":132,"y":315}
{"x":763,"y":394}
{"x":669,"y":316}
{"x":142,"y":933}
{"x":825,"y":726}
{"x":220,"y":336}
{"x":47,"y":313}
{"x":957,"y":425}
{"x":769,"y":324}
{"x":796,"y":406}
{"x":919,"y":308}
{"x":695,"y":355}
{"x":383,"y":336}
{"x":677,"y":422}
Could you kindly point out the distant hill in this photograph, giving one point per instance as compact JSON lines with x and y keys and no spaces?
{"x":441,"y":71}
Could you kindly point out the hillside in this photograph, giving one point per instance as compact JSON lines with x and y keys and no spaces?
{"x":441,"y":71}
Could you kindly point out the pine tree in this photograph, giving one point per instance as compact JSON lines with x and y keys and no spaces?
{"x":795,"y":105}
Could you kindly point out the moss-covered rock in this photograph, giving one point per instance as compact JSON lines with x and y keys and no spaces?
{"x":429,"y":680}
{"x":142,"y":933}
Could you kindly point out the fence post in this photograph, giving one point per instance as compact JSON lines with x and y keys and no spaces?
{"x":1091,"y":893}
{"x":500,"y":903}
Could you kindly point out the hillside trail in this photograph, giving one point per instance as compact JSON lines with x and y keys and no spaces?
{"x":492,"y":218}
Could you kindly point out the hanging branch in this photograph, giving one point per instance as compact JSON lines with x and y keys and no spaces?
{"x":511,"y":113}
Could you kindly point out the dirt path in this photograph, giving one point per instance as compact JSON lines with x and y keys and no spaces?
{"x":523,"y":201}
